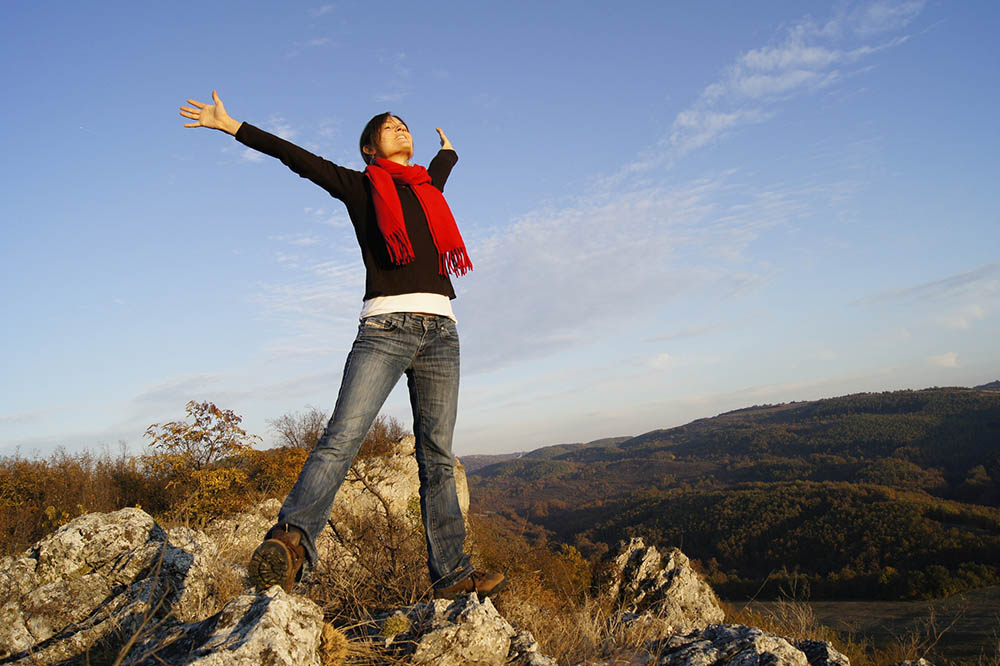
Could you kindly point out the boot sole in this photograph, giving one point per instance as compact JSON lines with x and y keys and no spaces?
{"x":270,"y":565}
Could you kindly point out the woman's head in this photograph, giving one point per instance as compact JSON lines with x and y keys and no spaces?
{"x":388,"y":137}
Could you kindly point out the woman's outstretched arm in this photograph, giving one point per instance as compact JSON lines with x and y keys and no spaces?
{"x":212,"y":116}
{"x":445,"y":143}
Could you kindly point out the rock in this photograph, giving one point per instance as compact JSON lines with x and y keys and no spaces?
{"x":661,"y":590}
{"x":271,"y":628}
{"x":91,"y":578}
{"x":821,"y":653}
{"x":91,"y":584}
{"x":729,"y":644}
{"x":722,"y":645}
{"x":524,"y":652}
{"x":397,"y":482}
{"x":447,"y":632}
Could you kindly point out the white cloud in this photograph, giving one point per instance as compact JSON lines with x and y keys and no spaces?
{"x":979,"y":283}
{"x":251,"y":155}
{"x":660,"y":361}
{"x":298,"y":240}
{"x":281,"y":127}
{"x":946,"y":360}
{"x":962,"y":318}
{"x":881,"y":17}
{"x":808,"y":59}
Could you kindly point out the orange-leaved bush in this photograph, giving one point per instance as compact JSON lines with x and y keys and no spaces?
{"x":203,"y":461}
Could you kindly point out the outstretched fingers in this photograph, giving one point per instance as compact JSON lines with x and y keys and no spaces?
{"x":445,"y":143}
{"x":193,"y":113}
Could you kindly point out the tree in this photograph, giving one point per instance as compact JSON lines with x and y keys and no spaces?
{"x":300,"y":430}
{"x":212,"y":435}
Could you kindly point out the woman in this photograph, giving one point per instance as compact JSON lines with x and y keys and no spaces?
{"x":410,"y":245}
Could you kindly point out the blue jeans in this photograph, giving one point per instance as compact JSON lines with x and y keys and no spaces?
{"x":425,"y":348}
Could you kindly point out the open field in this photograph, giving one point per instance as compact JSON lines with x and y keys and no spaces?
{"x":970,"y":623}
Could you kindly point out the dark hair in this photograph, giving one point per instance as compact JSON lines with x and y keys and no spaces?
{"x":369,"y":135}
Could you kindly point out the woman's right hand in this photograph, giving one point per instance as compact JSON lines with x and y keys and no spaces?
{"x":212,"y":116}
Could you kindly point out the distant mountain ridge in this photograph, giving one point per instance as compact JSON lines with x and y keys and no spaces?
{"x":930,"y":458}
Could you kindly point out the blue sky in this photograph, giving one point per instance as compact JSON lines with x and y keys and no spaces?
{"x":674,"y":209}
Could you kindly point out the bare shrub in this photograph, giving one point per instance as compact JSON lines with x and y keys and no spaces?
{"x":300,"y":430}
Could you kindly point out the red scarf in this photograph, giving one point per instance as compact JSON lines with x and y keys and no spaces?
{"x":383,"y":174}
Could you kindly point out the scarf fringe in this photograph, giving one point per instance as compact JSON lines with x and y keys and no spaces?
{"x":455,"y":261}
{"x":398,"y":244}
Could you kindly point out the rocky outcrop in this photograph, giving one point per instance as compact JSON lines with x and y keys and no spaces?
{"x":396,"y":480}
{"x":270,"y":628}
{"x":659,"y":589}
{"x":119,"y":585}
{"x":101,"y":578}
{"x":734,"y":645}
{"x":453,"y":633}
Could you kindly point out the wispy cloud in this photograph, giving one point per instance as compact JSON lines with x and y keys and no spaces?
{"x":560,"y":277}
{"x":962,"y":318}
{"x":400,"y":84}
{"x":946,"y":360}
{"x":810,"y":57}
{"x":323,"y":10}
{"x":982,"y":283}
{"x":555,"y":278}
{"x":280,"y":126}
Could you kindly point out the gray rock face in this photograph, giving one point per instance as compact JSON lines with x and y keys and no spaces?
{"x":660,"y":589}
{"x":456,"y":632}
{"x":88,"y":579}
{"x":729,"y":645}
{"x":271,"y":628}
{"x":94,"y":583}
{"x":397,"y":482}
{"x":449,"y":633}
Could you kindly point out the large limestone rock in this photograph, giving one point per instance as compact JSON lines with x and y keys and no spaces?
{"x":728,"y":645}
{"x":457,"y":632}
{"x":661,"y":589}
{"x":98,"y":579}
{"x":84,"y":592}
{"x":395,"y":477}
{"x":271,"y":628}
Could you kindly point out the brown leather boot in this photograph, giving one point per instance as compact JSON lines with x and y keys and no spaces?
{"x":482,"y":583}
{"x":278,"y":561}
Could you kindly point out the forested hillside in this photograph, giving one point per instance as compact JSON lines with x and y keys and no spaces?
{"x":889,"y":495}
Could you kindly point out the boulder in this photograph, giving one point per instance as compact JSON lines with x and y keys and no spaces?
{"x":397,"y":482}
{"x":662,"y":590}
{"x":728,"y":645}
{"x":98,"y":579}
{"x":272,"y":628}
{"x":455,"y":632}
{"x":447,"y":632}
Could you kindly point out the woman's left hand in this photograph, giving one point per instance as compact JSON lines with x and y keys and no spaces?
{"x":445,"y":143}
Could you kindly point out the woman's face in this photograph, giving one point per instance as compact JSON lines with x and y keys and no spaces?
{"x":394,"y":141}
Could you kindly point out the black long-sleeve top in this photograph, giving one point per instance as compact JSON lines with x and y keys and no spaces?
{"x":383,"y":278}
